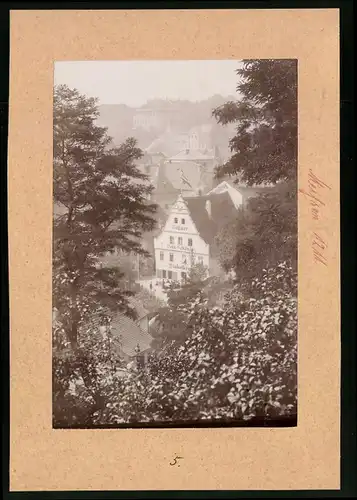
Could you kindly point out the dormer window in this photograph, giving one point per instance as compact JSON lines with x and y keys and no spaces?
{"x":176,"y":220}
{"x":183,"y":221}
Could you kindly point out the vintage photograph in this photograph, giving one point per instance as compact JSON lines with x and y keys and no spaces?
{"x":174,"y":280}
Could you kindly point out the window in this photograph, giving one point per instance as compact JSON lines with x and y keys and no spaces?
{"x":176,"y":220}
{"x":180,"y":240}
{"x":161,"y":255}
{"x":183,"y":275}
{"x":159,"y":273}
{"x":182,"y":221}
{"x":190,"y":242}
{"x":184,"y":259}
{"x":163,"y":273}
{"x":172,"y":240}
{"x":169,"y":274}
{"x":171,"y":257}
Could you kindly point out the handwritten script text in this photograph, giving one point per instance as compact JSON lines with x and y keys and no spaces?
{"x":315,"y":195}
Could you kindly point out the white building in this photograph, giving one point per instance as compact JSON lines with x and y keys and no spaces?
{"x":187,"y":237}
{"x":200,"y":137}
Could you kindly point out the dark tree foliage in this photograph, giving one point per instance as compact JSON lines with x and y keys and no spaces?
{"x":172,"y":318}
{"x":101,"y":204}
{"x":263,"y":234}
{"x":264,"y":151}
{"x":265,"y":146}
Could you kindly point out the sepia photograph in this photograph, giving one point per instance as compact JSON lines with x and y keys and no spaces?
{"x":174,"y":260}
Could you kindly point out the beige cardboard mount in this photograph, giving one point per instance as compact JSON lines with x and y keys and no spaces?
{"x":304,"y":457}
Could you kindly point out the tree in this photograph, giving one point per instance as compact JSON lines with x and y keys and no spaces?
{"x":149,"y":300}
{"x":103,"y":201}
{"x":239,"y":363}
{"x":264,"y":151}
{"x":263,"y":234}
{"x":265,"y":146}
{"x":84,"y":379}
{"x":172,"y":318}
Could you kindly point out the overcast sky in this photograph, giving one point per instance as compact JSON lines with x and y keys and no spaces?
{"x":134,"y":82}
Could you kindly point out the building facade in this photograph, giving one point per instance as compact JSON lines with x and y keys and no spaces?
{"x":179,"y":245}
{"x":152,"y":119}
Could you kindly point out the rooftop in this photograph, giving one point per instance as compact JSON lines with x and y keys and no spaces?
{"x":168,"y":143}
{"x":128,"y":331}
{"x":131,"y":334}
{"x":246,"y":191}
{"x":191,"y":170}
{"x":221,"y":208}
{"x":138,"y":306}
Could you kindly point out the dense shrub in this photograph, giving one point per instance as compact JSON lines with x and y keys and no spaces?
{"x":238,"y":363}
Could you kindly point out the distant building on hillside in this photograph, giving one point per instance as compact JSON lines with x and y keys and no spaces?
{"x":200,"y":137}
{"x":149,"y":118}
{"x":173,"y":141}
{"x":168,"y":143}
{"x":187,"y":237}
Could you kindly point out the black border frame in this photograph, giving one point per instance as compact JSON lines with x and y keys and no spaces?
{"x":348,"y":251}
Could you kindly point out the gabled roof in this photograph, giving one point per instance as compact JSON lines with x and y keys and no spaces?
{"x":221,"y":207}
{"x":128,"y":331}
{"x":168,"y":143}
{"x":138,"y":306}
{"x":245,"y":190}
{"x":131,"y":335}
{"x":163,"y":185}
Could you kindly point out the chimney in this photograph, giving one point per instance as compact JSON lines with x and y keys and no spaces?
{"x":209,"y":208}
